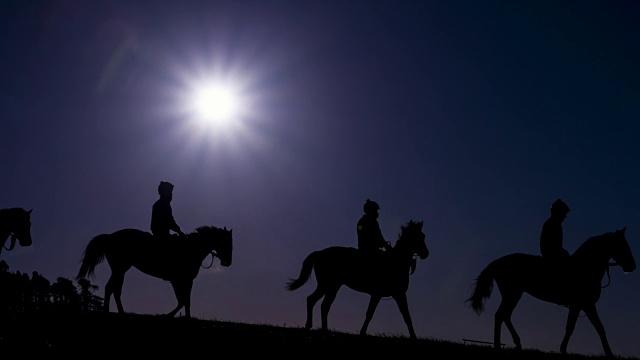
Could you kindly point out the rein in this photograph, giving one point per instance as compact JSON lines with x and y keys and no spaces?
{"x":609,"y":265}
{"x":13,"y":243}
{"x":414,"y":262}
{"x":213,"y":255}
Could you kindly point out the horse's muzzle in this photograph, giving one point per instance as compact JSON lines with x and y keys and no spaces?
{"x":628,"y":267}
{"x":25,"y":241}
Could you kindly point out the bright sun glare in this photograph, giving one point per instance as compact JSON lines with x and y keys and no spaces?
{"x":215,"y":103}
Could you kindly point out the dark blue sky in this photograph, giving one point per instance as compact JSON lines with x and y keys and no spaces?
{"x":473,"y":116}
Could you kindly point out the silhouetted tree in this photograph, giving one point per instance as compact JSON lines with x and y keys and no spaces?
{"x":20,"y":294}
{"x":6,"y":290}
{"x":65,"y":294}
{"x":89,"y":301}
{"x":23,"y":292}
{"x":41,"y":291}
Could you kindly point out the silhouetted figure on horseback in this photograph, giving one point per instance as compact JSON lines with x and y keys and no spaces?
{"x":551,"y":237}
{"x":371,"y":242}
{"x":162,"y":221}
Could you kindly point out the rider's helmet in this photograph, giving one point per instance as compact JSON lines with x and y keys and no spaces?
{"x":559,"y":206}
{"x":370,"y":207}
{"x":165,"y":188}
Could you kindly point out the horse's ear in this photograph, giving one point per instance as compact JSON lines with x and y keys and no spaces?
{"x":29,"y":212}
{"x":624,"y":229}
{"x":225,"y":228}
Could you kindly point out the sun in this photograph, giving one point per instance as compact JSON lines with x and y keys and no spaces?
{"x":210,"y":99}
{"x":215,"y":102}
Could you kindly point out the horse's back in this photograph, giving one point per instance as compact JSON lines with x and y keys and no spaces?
{"x":138,"y":248}
{"x":130,"y":232}
{"x":515,"y":265}
{"x":131,"y":235}
{"x":339,"y":250}
{"x":542,"y":278}
{"x":339,"y":255}
{"x":130,"y":239}
{"x":350,"y":262}
{"x":334,"y":256}
{"x":517,"y":257}
{"x":529,"y":263}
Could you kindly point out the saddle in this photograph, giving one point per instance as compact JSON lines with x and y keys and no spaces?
{"x":560,"y":271}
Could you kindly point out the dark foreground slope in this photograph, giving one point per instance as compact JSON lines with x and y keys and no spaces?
{"x":98,"y":335}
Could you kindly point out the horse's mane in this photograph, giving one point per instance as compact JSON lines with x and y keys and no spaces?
{"x":404,"y":227}
{"x":208,"y":229}
{"x":592,"y":243}
{"x":13,"y":209}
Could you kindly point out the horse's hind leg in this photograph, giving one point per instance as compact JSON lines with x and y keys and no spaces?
{"x":312,"y":299}
{"x":108,"y":291}
{"x":371,"y":309}
{"x":114,"y":286}
{"x":329,"y":297}
{"x":503,"y":315}
{"x":572,"y":318}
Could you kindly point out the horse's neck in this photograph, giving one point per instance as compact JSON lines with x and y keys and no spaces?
{"x":595,"y":263}
{"x":401,"y":252}
{"x":6,"y":224}
{"x":4,"y":235}
{"x":196,"y":251}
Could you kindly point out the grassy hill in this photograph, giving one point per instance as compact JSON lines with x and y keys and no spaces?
{"x":101,"y":335}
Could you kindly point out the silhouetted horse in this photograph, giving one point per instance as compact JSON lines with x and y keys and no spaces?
{"x":177,"y":262}
{"x":17,"y":223}
{"x":575,"y":284}
{"x":386,"y":274}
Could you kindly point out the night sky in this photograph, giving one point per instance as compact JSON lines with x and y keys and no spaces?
{"x":472,"y":116}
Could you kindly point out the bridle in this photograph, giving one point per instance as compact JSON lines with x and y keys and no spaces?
{"x":13,"y":243}
{"x":414,"y":262}
{"x":609,"y":266}
{"x":213,"y":254}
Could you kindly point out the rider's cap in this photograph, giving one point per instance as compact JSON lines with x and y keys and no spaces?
{"x":370,"y":206}
{"x":559,"y":206}
{"x":164,"y":187}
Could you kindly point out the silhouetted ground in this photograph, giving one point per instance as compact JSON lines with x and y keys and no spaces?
{"x":100,"y":335}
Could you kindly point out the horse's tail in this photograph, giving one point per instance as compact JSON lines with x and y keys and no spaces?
{"x":93,"y":255}
{"x":483,"y":286}
{"x":305,"y":273}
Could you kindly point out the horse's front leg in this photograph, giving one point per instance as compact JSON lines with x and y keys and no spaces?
{"x":593,"y":316}
{"x":373,"y":304}
{"x":401,"y":300}
{"x":186,"y":300}
{"x":572,"y":318}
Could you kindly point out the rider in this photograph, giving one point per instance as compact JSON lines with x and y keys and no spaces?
{"x":551,"y":236}
{"x":370,"y":238}
{"x":162,"y":221}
